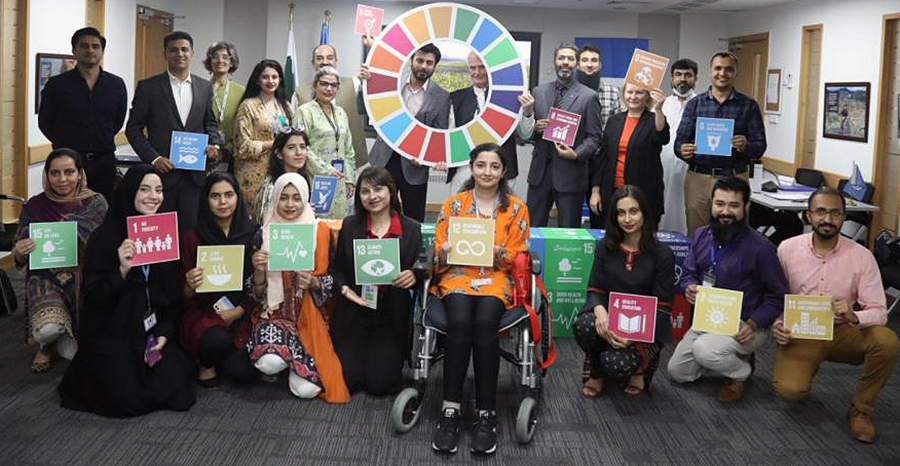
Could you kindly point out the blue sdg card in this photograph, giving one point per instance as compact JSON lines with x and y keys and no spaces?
{"x":714,"y":135}
{"x":188,"y":150}
{"x":323,"y":194}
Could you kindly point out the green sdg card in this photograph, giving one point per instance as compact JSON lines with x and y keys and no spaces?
{"x":718,"y":311}
{"x":223,"y":268}
{"x":472,"y":240}
{"x":56,"y":245}
{"x":376,"y":261}
{"x":809,"y":317}
{"x":292,"y":247}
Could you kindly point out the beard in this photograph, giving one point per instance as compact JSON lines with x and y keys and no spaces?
{"x":564,"y":74}
{"x":724,"y":233}
{"x":422,"y":75}
{"x":682,"y":90}
{"x":590,"y":80}
{"x":826,"y":236}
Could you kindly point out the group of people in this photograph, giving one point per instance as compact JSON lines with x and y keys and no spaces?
{"x":141,"y":337}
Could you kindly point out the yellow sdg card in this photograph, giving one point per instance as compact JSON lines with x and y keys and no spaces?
{"x":809,"y":317}
{"x":717,"y":311}
{"x":472,"y":240}
{"x":223,"y":268}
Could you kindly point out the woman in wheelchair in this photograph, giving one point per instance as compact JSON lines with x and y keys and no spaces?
{"x":289,"y":331}
{"x":52,"y":297}
{"x":372,"y":337}
{"x":629,"y":260}
{"x":476,"y":297}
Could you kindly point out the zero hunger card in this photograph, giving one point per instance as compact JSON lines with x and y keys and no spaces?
{"x":632,"y":317}
{"x":188,"y":150}
{"x":646,"y":69}
{"x":713,"y":136}
{"x":809,"y":317}
{"x":376,"y":261}
{"x":56,"y":245}
{"x":223,"y":268}
{"x":718,"y":311}
{"x":292,"y":246}
{"x":155,"y":238}
{"x":563,"y":126}
{"x":472,"y":240}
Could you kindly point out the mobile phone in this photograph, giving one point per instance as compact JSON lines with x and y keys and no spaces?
{"x":152,"y":356}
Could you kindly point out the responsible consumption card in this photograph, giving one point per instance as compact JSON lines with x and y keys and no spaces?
{"x":56,"y":245}
{"x":376,"y":261}
{"x":472,"y":240}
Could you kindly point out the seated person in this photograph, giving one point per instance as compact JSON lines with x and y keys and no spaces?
{"x":289,"y":330}
{"x":373,"y":341}
{"x":288,"y":155}
{"x":52,"y":298}
{"x":476,"y":297}
{"x":128,"y":362}
{"x":729,"y":254}
{"x":628,"y":260}
{"x":217,"y":338}
{"x":825,"y":263}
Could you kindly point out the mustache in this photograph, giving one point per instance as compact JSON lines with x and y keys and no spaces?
{"x":821,"y":225}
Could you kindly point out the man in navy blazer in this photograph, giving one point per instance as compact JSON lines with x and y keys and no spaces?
{"x":175,"y":100}
{"x":559,"y":173}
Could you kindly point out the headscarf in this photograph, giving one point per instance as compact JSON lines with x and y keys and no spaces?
{"x":242,"y":226}
{"x":122,"y":205}
{"x":82,"y":192}
{"x":274,"y":284}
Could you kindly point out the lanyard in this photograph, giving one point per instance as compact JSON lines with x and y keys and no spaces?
{"x":278,"y":120}
{"x":716,"y":254}
{"x":334,"y":127}
{"x":220,"y":106}
{"x":146,"y":270}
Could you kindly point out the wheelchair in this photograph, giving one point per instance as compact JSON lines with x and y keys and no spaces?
{"x":429,"y":324}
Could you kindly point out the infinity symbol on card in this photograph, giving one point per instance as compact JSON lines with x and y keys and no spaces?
{"x":475,"y":248}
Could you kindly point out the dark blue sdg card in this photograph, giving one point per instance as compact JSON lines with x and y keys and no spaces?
{"x":323,"y":193}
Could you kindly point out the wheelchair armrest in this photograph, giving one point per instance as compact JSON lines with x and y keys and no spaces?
{"x":425,"y":262}
{"x":535,"y":264}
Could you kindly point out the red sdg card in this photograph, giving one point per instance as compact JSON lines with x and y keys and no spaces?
{"x":632,"y":317}
{"x":155,"y":238}
{"x":563,"y":126}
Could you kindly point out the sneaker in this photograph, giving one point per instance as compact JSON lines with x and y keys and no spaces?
{"x":484,"y":433}
{"x":446,"y":436}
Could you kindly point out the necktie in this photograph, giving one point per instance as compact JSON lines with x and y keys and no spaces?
{"x":560,"y":91}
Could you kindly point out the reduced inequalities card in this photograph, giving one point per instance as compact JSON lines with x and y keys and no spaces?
{"x":714,"y":135}
{"x":322,"y":196}
{"x":188,"y":150}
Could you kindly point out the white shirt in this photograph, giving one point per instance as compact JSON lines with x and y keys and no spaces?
{"x":414,"y":98}
{"x":184,"y":95}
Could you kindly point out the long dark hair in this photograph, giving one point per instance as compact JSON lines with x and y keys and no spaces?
{"x":253,"y":89}
{"x":614,"y":233}
{"x":503,"y":186}
{"x":276,"y":165}
{"x":376,"y":176}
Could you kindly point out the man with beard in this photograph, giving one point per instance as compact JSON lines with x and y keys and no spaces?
{"x":824,"y":263}
{"x":684,"y":77}
{"x":728,"y":254}
{"x":559,"y":173}
{"x":430,"y":105}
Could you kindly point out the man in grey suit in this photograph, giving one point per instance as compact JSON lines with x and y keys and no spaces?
{"x":431,"y":105}
{"x":175,"y":100}
{"x":559,"y":173}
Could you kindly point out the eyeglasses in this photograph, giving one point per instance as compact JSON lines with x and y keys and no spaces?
{"x":822,"y":213}
{"x":326,"y":85}
{"x":221,"y":56}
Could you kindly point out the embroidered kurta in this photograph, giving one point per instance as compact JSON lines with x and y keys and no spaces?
{"x":230,"y":105}
{"x":329,"y":141}
{"x":253,"y":127}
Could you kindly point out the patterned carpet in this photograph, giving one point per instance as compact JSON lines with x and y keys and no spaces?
{"x":264,"y":424}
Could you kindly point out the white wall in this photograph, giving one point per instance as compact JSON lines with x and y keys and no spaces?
{"x":251,"y":41}
{"x":702,"y":35}
{"x":204,"y":20}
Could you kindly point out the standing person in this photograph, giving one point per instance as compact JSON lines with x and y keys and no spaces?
{"x":222,"y":61}
{"x":52,"y":296}
{"x":431,"y":106}
{"x":217,"y":338}
{"x":288,"y":155}
{"x":825,"y":263}
{"x":629,"y":152}
{"x":326,"y":55}
{"x":629,"y":260}
{"x":84,"y":108}
{"x":559,"y":173}
{"x":722,"y":100}
{"x":373,"y":343}
{"x":263,"y":113}
{"x":684,"y":77}
{"x":128,"y":362}
{"x":477,"y":297}
{"x":174,"y":101}
{"x":328,"y":129}
{"x":729,"y":254}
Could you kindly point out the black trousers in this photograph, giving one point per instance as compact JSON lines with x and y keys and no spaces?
{"x":412,"y":196}
{"x":184,"y":198}
{"x":217,"y":350}
{"x":100,"y":169}
{"x":540,"y":200}
{"x":608,"y":362}
{"x":473,"y":323}
{"x":371,"y":358}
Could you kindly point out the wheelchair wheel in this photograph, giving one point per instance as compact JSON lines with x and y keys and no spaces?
{"x":526,"y":420}
{"x":545,"y":334}
{"x":406,"y":409}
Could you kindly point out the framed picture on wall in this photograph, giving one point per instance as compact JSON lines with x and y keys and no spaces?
{"x":48,"y":65}
{"x":773,"y":90}
{"x":846,"y":111}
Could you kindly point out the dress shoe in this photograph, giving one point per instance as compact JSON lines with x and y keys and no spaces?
{"x":731,"y":391}
{"x":860,"y":426}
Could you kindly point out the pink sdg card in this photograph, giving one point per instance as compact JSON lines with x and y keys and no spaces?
{"x":632,"y":317}
{"x":368,"y":20}
{"x":155,"y":238}
{"x":563,"y":126}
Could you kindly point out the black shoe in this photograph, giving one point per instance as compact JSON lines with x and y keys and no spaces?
{"x":446,"y":436}
{"x":484,"y":433}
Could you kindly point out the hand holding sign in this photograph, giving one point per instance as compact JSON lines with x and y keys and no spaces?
{"x":472,"y":241}
{"x":646,"y":69}
{"x":562,"y":126}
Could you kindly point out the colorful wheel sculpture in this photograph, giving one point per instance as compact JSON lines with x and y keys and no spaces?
{"x":396,"y":45}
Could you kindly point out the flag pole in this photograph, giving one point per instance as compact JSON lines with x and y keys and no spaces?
{"x":291,"y":12}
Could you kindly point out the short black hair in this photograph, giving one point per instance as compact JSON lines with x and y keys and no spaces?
{"x":683,"y":64}
{"x":88,"y":32}
{"x":730,"y":55}
{"x":586,"y":48}
{"x":566,"y":46}
{"x":427,"y":48}
{"x":177,"y":35}
{"x":732,"y":184}
{"x":825,"y":190}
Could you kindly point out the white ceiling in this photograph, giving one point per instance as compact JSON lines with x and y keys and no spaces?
{"x":638,"y":6}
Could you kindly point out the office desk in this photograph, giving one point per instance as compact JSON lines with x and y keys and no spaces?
{"x":767,"y":200}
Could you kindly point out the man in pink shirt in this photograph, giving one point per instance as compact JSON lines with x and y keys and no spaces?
{"x":824,"y":263}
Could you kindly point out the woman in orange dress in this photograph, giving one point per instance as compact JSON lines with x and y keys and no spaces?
{"x":476,"y":297}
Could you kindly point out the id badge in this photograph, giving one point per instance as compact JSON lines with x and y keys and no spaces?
{"x":338,"y":164}
{"x":476,"y":282}
{"x":370,"y":295}
{"x":149,"y":321}
{"x":709,"y":279}
{"x":222,"y":305}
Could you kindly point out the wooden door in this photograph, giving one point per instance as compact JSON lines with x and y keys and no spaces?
{"x":152,"y":27}
{"x":95,"y":14}
{"x":887,"y":146}
{"x":753,"y":59}
{"x":807,"y":115}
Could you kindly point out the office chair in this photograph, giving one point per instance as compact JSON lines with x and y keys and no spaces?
{"x":856,"y":224}
{"x":887,"y":254}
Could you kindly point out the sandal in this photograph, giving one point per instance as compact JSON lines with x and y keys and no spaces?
{"x":592,"y":390}
{"x":210,"y":383}
{"x":634,"y":390}
{"x":43,"y":366}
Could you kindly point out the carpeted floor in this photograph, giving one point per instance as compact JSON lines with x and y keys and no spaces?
{"x":264,"y":424}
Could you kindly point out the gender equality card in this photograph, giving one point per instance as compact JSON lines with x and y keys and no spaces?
{"x":188,"y":150}
{"x":368,"y":20}
{"x":292,"y":246}
{"x":56,"y":245}
{"x":155,"y":238}
{"x":809,"y":317}
{"x":322,"y":194}
{"x":223,"y":268}
{"x":632,"y":317}
{"x":713,"y":136}
{"x":718,"y":311}
{"x":646,"y":69}
{"x":563,"y":126}
{"x":376,"y":261}
{"x":472,"y":240}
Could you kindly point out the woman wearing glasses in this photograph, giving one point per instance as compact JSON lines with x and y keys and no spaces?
{"x":222,"y":61}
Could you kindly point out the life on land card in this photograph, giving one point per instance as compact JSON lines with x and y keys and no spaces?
{"x":472,"y":240}
{"x":376,"y":261}
{"x":718,"y":311}
{"x":632,"y":317}
{"x":155,"y":238}
{"x":646,"y":70}
{"x":809,"y":317}
{"x":292,"y":247}
{"x":223,"y":268}
{"x":188,"y":150}
{"x":368,"y":20}
{"x":56,"y":245}
{"x":713,"y":136}
{"x":563,"y":126}
{"x":322,"y":195}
